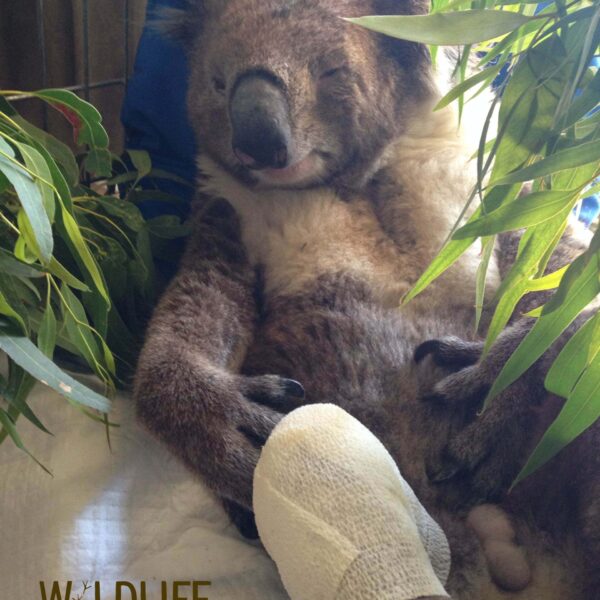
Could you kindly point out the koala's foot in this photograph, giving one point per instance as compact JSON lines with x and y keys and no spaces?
{"x":506,"y":560}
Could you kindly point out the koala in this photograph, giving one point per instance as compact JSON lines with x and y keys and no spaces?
{"x":327,"y":184}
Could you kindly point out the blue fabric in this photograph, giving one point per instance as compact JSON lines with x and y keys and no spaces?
{"x":154,"y":112}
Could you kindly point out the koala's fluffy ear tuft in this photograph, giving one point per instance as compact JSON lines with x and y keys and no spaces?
{"x":181,"y":24}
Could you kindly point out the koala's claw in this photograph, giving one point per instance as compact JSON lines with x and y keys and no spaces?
{"x":441,"y":473}
{"x":294,"y":389}
{"x":450,"y":352}
{"x":276,"y":392}
{"x":466,"y":480}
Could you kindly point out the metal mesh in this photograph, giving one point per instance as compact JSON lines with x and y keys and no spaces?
{"x":85,"y":83}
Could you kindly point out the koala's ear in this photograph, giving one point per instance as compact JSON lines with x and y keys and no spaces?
{"x":182,"y":25}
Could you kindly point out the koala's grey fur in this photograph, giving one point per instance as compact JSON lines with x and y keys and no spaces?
{"x":302,"y":283}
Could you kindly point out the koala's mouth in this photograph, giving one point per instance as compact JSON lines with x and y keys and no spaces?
{"x":305,"y":171}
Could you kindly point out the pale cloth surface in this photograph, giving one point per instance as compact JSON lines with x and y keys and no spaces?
{"x":133,"y":514}
{"x":337,"y":517}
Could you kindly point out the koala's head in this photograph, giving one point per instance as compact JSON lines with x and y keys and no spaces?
{"x":286,"y":93}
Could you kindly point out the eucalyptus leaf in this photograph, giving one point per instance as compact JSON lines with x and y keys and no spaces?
{"x":9,"y":426}
{"x":532,"y":209}
{"x":579,"y":287}
{"x":575,"y":357}
{"x":580,"y":412}
{"x":569,"y":158}
{"x":11,"y":266}
{"x":445,"y":29}
{"x":32,"y":360}
{"x":47,"y":332}
{"x":31,"y":200}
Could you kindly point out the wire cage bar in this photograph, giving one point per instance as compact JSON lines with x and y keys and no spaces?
{"x":89,"y":70}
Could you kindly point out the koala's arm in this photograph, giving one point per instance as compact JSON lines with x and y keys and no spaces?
{"x":188,"y":390}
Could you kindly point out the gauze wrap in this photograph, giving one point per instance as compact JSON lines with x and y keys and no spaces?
{"x":338,"y":519}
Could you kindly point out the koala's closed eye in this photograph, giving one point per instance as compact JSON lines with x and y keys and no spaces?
{"x":333,"y":72}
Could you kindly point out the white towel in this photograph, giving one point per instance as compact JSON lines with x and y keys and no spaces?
{"x":338,"y":519}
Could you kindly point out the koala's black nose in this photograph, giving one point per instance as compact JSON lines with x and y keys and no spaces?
{"x":260,"y":122}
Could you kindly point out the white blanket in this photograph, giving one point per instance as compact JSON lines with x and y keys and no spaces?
{"x":133,"y":514}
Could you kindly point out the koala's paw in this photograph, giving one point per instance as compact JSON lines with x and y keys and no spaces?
{"x":269,"y":396}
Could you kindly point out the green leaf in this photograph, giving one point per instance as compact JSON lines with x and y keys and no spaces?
{"x":583,"y":104}
{"x":446,"y":29}
{"x":169,"y":227}
{"x":64,"y":275}
{"x":7,"y":310}
{"x":576,"y":356}
{"x":87,"y":126}
{"x":486,"y":75}
{"x":81,"y":252}
{"x":447,"y":256}
{"x":85,"y":118}
{"x":31,"y":201}
{"x":570,"y":158}
{"x":481,"y":278}
{"x":529,"y":210}
{"x":579,"y":287}
{"x":124,"y":210}
{"x":17,"y":399}
{"x":78,"y":327}
{"x":60,"y":152}
{"x":580,"y":412}
{"x":11,"y":266}
{"x":548,"y":282}
{"x":32,"y":360}
{"x":141,"y":161}
{"x":36,"y":164}
{"x":47,"y":332}
{"x":9,"y":426}
{"x":454,"y":249}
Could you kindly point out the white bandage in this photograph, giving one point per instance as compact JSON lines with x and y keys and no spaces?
{"x":338,"y":519}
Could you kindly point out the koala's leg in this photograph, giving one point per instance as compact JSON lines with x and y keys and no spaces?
{"x":482,"y":457}
{"x":187,"y":388}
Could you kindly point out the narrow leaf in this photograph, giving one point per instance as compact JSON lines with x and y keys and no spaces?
{"x":527,"y":211}
{"x":580,"y":412}
{"x":581,"y":154}
{"x":445,"y":29}
{"x":579,"y":287}
{"x":32,"y":360}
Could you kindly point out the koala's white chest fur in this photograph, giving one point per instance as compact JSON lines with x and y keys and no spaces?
{"x":299,"y":235}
